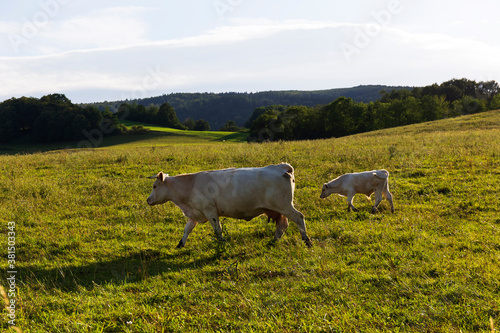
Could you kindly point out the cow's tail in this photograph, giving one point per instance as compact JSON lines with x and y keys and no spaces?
{"x":383,"y":174}
{"x":288,"y":171}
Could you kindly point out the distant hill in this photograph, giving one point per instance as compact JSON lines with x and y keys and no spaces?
{"x":218,"y":108}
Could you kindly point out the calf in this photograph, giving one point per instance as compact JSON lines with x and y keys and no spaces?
{"x":238,"y":193}
{"x":368,"y":182}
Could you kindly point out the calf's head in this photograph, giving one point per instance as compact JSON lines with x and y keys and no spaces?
{"x":159,"y":194}
{"x":332,"y":187}
{"x":325,"y":191}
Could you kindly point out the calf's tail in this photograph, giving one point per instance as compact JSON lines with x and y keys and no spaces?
{"x":383,"y":174}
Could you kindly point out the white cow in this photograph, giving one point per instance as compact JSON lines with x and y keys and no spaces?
{"x":238,"y":193}
{"x":366,"y":183}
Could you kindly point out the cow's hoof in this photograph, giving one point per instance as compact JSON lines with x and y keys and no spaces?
{"x":308,"y":242}
{"x":180,"y":245}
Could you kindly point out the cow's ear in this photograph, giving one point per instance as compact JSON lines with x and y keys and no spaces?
{"x":162,"y":176}
{"x":325,"y":185}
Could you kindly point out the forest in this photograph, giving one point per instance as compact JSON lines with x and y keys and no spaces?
{"x":219,"y":108}
{"x":54,"y":117}
{"x":344,"y":116}
{"x":164,"y":115}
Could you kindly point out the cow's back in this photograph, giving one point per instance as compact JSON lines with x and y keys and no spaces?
{"x":246,"y":192}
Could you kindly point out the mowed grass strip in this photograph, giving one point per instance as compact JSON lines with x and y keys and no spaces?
{"x":92,"y":256}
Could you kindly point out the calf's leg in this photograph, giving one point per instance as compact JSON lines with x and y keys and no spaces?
{"x":350,"y":206}
{"x":378,"y":199}
{"x":388,"y":196}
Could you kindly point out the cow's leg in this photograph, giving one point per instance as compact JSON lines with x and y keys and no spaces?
{"x":187,"y":230}
{"x":350,"y":206}
{"x":388,"y":196}
{"x":281,"y":226}
{"x":214,"y":221}
{"x":378,"y":199}
{"x":298,"y":218}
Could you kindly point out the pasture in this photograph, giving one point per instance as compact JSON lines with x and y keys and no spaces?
{"x":92,"y":256}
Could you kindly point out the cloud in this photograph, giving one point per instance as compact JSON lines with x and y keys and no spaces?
{"x":224,"y":54}
{"x":241,"y":30}
{"x":242,"y":55}
{"x":99,"y":28}
{"x":102,"y":30}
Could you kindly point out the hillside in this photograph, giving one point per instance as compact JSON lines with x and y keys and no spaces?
{"x":155,"y":136}
{"x":55,"y":119}
{"x":218,"y":108}
{"x":92,"y":256}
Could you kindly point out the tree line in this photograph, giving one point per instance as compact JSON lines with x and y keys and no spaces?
{"x":218,"y":108}
{"x":164,"y":115}
{"x":55,"y":118}
{"x":52,"y":118}
{"x":344,"y":116}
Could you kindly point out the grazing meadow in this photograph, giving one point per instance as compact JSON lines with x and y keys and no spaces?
{"x":92,"y":256}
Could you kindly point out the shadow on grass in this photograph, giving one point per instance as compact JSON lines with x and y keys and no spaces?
{"x":108,"y":141}
{"x":139,"y":265}
{"x":154,"y":137}
{"x":134,"y":267}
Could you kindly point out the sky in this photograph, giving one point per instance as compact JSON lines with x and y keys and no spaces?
{"x":108,"y":50}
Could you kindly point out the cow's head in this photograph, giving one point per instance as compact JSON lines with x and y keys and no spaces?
{"x":159,"y":194}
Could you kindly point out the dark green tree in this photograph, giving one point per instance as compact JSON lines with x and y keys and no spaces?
{"x":338,"y":117}
{"x":495,"y":102}
{"x":433,"y":107}
{"x":167,"y":116}
{"x":230,"y":126}
{"x":487,"y":89}
{"x":267,"y":127}
{"x":189,"y":123}
{"x":201,"y":125}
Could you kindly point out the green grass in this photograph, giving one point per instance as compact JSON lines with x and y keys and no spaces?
{"x":186,"y":136}
{"x":92,"y":256}
{"x":158,"y":136}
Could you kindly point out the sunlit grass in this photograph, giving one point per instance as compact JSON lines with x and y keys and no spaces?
{"x":94,"y":257}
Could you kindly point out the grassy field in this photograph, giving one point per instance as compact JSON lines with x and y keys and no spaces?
{"x":157,"y":136}
{"x":92,"y":256}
